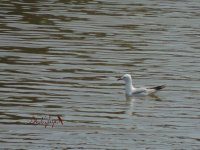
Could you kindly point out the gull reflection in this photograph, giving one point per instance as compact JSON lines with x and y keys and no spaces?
{"x":131,"y":101}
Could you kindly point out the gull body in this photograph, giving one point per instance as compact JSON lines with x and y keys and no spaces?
{"x":133,"y":91}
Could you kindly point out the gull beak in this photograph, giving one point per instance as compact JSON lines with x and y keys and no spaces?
{"x":120,"y":78}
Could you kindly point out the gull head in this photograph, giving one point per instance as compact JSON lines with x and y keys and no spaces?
{"x":126,"y":78}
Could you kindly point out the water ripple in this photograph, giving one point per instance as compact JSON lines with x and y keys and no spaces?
{"x":62,"y":58}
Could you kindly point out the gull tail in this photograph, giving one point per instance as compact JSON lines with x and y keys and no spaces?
{"x":157,"y":88}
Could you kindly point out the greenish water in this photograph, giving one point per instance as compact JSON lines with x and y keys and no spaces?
{"x":61,"y":58}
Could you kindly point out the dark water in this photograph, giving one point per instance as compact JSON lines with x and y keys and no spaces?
{"x":61,"y":58}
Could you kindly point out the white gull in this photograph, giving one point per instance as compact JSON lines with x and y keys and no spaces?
{"x":133,"y":91}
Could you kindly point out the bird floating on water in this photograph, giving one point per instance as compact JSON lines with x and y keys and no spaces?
{"x":133,"y":91}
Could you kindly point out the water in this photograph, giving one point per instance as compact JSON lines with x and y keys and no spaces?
{"x":61,"y":58}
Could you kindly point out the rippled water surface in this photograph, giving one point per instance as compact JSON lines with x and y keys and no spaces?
{"x":62,"y":58}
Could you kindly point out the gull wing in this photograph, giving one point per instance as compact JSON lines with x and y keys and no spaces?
{"x":140,"y":91}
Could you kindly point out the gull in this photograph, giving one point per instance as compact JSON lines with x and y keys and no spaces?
{"x":133,"y":91}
